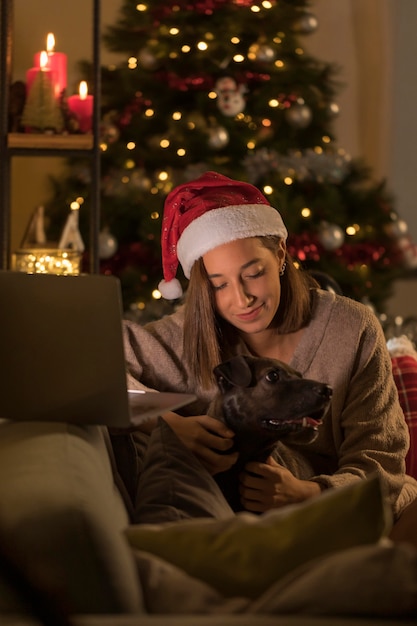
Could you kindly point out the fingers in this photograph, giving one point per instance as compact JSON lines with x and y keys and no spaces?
{"x":215,"y":462}
{"x":215,"y":426}
{"x":207,"y":438}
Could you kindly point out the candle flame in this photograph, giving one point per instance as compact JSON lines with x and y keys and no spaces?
{"x":83,"y":90}
{"x":43,"y":59}
{"x":50,"y":42}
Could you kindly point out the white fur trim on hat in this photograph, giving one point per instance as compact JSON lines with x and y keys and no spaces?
{"x":225,"y":224}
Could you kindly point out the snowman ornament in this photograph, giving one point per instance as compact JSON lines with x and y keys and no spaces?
{"x":230,"y":96}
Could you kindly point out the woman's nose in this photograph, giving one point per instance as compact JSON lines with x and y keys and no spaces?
{"x":242,"y":297}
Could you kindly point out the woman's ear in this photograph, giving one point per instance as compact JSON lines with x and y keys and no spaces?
{"x":281,"y":250}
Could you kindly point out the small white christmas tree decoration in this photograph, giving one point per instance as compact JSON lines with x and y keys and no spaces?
{"x":35,"y":232}
{"x":71,"y":236}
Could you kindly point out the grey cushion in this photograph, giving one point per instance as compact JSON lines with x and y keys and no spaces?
{"x":62,"y":517}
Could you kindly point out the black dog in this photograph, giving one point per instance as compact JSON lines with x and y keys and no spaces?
{"x":264,"y":401}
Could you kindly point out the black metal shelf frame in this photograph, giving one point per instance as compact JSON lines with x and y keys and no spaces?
{"x":7,"y":152}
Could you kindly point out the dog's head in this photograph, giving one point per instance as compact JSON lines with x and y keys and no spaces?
{"x":264,"y":400}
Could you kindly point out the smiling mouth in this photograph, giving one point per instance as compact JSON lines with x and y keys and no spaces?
{"x":250,"y":314}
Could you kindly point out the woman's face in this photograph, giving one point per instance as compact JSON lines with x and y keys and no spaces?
{"x":245,"y":279}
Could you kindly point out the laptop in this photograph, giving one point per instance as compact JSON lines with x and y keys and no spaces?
{"x":62,"y":355}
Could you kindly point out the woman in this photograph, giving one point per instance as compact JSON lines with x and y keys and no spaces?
{"x":245,"y":296}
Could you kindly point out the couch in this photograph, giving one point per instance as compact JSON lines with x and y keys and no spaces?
{"x":70,"y":554}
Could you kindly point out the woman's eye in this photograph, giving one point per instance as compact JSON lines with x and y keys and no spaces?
{"x":218,"y":287}
{"x":256,"y":275}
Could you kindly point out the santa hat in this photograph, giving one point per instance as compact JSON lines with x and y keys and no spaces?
{"x":208,"y":212}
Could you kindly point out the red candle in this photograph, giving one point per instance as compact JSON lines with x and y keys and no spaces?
{"x":82,"y":107}
{"x":57,"y":62}
{"x":42,"y":67}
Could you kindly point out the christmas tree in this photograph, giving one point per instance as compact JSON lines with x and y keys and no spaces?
{"x":228,"y":85}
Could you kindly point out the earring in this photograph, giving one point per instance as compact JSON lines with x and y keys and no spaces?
{"x":282,"y":271}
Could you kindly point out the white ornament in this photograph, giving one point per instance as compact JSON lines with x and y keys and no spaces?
{"x":230,"y":96}
{"x":218,"y":138}
{"x":299,"y":115}
{"x":262,"y":52}
{"x":107,"y":244}
{"x":331,"y":236}
{"x":408,"y":251}
{"x":147,"y":59}
{"x":306,"y":23}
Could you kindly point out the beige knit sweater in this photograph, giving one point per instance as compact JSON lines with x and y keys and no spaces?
{"x":344,"y":346}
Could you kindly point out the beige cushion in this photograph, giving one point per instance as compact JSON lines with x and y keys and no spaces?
{"x":242,"y":555}
{"x":62,"y":518}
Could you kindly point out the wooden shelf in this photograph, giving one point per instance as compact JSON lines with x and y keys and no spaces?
{"x":52,"y":142}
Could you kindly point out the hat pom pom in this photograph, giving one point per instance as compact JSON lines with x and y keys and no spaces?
{"x":170,"y":290}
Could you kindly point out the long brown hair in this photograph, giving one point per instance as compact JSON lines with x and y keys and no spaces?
{"x":209,"y":339}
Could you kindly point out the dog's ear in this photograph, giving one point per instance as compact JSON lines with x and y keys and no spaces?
{"x":236,"y":372}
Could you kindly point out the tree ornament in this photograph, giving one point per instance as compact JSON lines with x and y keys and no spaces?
{"x":147,"y":59}
{"x":261,"y":52}
{"x":306,"y":24}
{"x":299,"y":115}
{"x":331,"y":236}
{"x":107,"y":244}
{"x":397,"y":228}
{"x":218,"y":137}
{"x":109,"y":132}
{"x":230,"y":96}
{"x":408,"y":252}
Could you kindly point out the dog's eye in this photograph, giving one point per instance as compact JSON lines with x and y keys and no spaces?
{"x":273,"y":376}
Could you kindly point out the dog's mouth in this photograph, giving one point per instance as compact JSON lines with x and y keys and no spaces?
{"x":284,"y":427}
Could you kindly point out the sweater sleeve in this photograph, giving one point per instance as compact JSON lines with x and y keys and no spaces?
{"x":153,"y":354}
{"x":368,"y":426}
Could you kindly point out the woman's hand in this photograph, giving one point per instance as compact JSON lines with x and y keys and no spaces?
{"x":268,"y":485}
{"x":207,"y":438}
